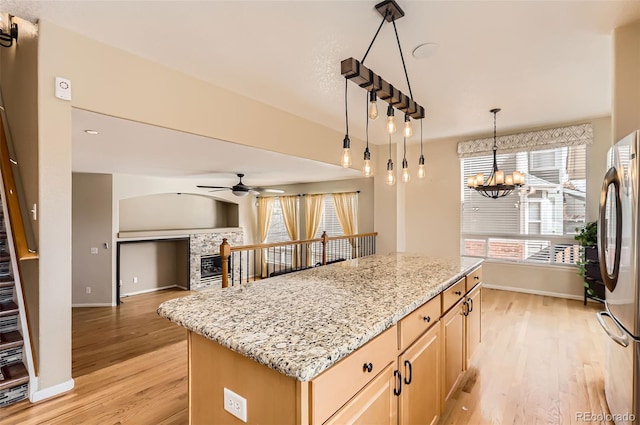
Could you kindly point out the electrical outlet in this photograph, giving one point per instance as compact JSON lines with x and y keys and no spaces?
{"x":94,"y":250}
{"x":88,"y":289}
{"x":135,"y":279}
{"x":235,"y":404}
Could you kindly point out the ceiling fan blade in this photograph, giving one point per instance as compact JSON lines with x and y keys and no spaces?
{"x":261,"y":189}
{"x":213,"y":187}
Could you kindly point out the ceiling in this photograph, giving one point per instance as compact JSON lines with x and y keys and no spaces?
{"x":542,"y":62}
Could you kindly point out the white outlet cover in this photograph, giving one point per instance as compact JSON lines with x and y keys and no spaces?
{"x":94,"y":250}
{"x":235,"y":404}
{"x":63,"y":88}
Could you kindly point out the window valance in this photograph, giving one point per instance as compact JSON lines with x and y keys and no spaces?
{"x":574,"y":135}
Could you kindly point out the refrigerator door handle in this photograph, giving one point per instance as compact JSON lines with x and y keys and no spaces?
{"x":622,"y":338}
{"x":610,"y":279}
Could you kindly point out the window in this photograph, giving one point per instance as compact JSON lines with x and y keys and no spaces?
{"x":278,"y":233}
{"x":329,"y":221}
{"x":538,"y":223}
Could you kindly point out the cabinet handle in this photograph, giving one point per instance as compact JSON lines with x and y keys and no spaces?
{"x":458,"y":293}
{"x":398,"y":389}
{"x":367,"y":367}
{"x":470,"y":302}
{"x":427,"y":319}
{"x":476,"y":278}
{"x":408,"y":380}
{"x":465,"y":309}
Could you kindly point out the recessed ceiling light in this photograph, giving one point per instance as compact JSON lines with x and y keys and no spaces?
{"x":425,"y":50}
{"x":94,"y":132}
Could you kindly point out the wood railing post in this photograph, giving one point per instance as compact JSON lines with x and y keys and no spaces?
{"x":225,"y":253}
{"x":325,"y":241}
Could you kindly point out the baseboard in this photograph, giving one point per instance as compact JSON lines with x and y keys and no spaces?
{"x":146,"y":291}
{"x":93,"y":305}
{"x":536,"y":292}
{"x":52,"y":391}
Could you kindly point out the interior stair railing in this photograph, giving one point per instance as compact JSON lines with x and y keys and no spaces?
{"x":17,"y":364}
{"x":248,"y":263}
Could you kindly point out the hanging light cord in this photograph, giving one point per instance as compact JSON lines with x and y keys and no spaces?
{"x":346,"y":109}
{"x":366,"y":98}
{"x":375,"y":36}
{"x":389,"y":147}
{"x":404,"y":148}
{"x":402,"y":57}
{"x":421,"y":138}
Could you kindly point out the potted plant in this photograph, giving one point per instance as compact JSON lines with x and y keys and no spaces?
{"x":588,"y":265}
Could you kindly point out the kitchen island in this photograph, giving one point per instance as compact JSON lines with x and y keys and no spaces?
{"x":298,"y":347}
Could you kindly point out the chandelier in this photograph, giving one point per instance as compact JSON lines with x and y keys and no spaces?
{"x":378,"y":88}
{"x":497,"y":185}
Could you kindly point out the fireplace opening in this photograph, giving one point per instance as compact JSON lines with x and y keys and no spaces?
{"x":211,"y":268}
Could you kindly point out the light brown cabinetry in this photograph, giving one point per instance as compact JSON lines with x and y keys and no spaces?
{"x":453,"y":342}
{"x":374,"y":405}
{"x":473,"y":321}
{"x":419,"y":400}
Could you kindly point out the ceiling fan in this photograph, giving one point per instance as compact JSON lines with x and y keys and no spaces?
{"x":241,"y":189}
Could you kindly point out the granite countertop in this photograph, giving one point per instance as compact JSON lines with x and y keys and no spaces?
{"x":301,"y":323}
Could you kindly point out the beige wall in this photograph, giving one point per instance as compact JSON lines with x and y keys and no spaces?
{"x":154,"y":264}
{"x":626,"y":80}
{"x":386,"y":203}
{"x":92,"y":221}
{"x":433,"y":214}
{"x":176,"y":211}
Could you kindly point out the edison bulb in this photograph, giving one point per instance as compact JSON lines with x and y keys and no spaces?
{"x":421,"y":171}
{"x":408,"y":131}
{"x":391,"y":125}
{"x":367,"y":171}
{"x":391,"y":178}
{"x":405,"y":175}
{"x":346,"y":157}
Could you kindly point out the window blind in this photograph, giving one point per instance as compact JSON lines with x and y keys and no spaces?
{"x":535,"y":224}
{"x":329,"y":221}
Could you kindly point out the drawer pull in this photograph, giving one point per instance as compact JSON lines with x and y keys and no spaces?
{"x":476,"y":278}
{"x":367,"y":367}
{"x":398,"y":389}
{"x":470,"y":302}
{"x":427,"y":319}
{"x":458,"y":293}
{"x":407,"y":380}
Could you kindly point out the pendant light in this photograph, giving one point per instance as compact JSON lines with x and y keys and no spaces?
{"x":346,"y":143}
{"x":408,"y":131}
{"x":421,"y":171}
{"x":391,"y":175}
{"x":373,"y":105}
{"x":405,"y":176}
{"x":367,"y":171}
{"x":391,"y":124}
{"x":497,"y":185}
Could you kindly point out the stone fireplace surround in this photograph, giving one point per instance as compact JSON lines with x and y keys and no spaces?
{"x":208,"y":243}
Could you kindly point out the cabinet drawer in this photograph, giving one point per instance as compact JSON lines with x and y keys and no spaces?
{"x":412,"y":326}
{"x":453,"y":294}
{"x":335,"y":386}
{"x":474,"y":278}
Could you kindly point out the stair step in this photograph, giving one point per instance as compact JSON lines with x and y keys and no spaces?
{"x":8,"y":308}
{"x":13,"y":375}
{"x":10,"y":340}
{"x":6,"y":281}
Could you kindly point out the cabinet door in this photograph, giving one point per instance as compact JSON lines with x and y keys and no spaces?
{"x":375,"y":404}
{"x":453,"y":333}
{"x":474,"y":321}
{"x":420,"y":366}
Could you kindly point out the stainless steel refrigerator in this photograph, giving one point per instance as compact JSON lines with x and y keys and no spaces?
{"x":618,"y":256}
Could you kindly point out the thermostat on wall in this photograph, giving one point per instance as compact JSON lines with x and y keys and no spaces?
{"x":63,"y":88}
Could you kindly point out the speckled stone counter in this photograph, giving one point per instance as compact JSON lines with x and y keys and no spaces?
{"x":302,"y":323}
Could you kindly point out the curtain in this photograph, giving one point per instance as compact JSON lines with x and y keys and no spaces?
{"x":314,"y":208}
{"x":347,"y":211}
{"x":289,"y":205}
{"x":265,"y":211}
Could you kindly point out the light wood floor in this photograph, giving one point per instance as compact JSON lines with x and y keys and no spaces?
{"x":540,"y":362}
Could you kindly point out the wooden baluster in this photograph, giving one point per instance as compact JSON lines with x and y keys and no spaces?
{"x":325,"y":240}
{"x":225,"y":252}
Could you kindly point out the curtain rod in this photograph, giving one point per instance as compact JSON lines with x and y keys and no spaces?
{"x":305,"y":194}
